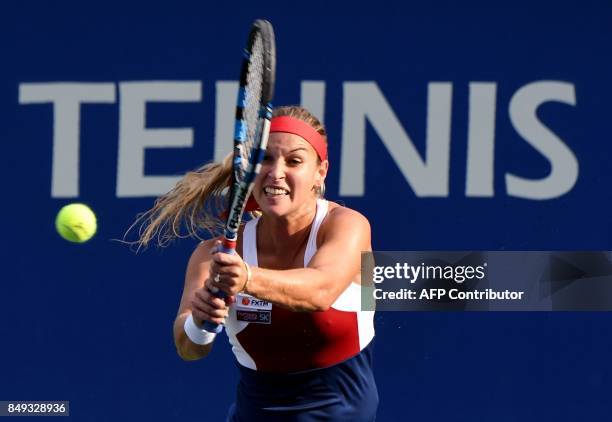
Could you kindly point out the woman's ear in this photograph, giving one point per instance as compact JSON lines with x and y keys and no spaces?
{"x":322,"y":172}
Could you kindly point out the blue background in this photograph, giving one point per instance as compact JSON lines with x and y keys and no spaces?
{"x":92,"y":323}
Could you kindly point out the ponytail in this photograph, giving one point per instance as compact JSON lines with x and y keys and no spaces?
{"x":192,"y":206}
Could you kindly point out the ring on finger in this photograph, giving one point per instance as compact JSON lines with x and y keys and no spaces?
{"x":217,"y":278}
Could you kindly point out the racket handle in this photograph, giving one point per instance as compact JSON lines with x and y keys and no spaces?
{"x":227,"y":246}
{"x":211,"y":327}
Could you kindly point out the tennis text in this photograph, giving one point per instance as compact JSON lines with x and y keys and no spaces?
{"x":362,"y":103}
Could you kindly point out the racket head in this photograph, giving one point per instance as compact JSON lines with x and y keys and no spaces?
{"x":253,"y":115}
{"x":262,"y":28}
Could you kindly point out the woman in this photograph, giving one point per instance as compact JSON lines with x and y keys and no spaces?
{"x":292,"y":312}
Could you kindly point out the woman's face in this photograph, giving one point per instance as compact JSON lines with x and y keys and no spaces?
{"x":288,"y":174}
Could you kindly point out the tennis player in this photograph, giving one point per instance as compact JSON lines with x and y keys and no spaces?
{"x":292,"y":312}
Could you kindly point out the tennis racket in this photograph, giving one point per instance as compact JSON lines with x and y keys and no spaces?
{"x":253,"y":115}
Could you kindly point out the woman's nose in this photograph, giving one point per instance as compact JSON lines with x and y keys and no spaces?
{"x":276,"y":170}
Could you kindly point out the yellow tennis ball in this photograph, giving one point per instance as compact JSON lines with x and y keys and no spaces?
{"x":76,"y":223}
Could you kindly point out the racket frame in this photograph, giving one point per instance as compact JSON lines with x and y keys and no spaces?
{"x":242,"y":189}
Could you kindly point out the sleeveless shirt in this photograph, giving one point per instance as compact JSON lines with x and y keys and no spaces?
{"x":268,"y":338}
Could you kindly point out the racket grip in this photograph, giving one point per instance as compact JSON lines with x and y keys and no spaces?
{"x":211,"y":327}
{"x":227,"y":246}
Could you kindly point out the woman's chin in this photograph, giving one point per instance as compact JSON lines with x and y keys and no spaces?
{"x":277,"y":205}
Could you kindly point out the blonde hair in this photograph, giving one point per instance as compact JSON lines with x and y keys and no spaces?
{"x":195,"y":204}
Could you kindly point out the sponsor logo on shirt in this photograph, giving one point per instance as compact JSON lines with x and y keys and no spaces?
{"x":248,"y":302}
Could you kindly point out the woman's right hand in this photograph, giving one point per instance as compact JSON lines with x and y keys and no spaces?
{"x":207,"y":307}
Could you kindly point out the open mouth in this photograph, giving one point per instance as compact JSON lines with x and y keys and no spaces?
{"x":275,"y":191}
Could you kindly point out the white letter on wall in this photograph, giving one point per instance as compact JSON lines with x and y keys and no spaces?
{"x":134,"y":137}
{"x":479,"y":179}
{"x":313,"y":98}
{"x":66,"y":98}
{"x":364,"y":101}
{"x":225,"y":117}
{"x":563,"y":162}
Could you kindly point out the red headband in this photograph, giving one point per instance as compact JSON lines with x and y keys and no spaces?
{"x":301,"y":128}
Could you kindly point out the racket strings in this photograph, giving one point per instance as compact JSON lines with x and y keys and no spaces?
{"x":253,"y":95}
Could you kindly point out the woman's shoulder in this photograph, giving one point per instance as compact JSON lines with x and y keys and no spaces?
{"x":340,"y":212}
{"x":340,"y":217}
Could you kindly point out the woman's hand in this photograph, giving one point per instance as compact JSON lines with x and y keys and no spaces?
{"x":207,"y":307}
{"x":228,"y":273}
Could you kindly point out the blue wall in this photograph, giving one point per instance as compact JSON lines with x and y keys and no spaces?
{"x":92,"y":323}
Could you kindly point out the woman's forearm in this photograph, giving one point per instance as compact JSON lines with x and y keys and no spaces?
{"x":301,"y":289}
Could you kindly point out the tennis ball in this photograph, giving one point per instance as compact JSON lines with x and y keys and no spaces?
{"x":76,"y":223}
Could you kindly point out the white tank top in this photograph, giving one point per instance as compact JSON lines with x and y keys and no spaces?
{"x":266,"y":337}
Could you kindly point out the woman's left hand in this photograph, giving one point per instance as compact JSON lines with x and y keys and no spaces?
{"x":227,"y":272}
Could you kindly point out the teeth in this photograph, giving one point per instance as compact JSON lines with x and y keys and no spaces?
{"x":275,"y":191}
